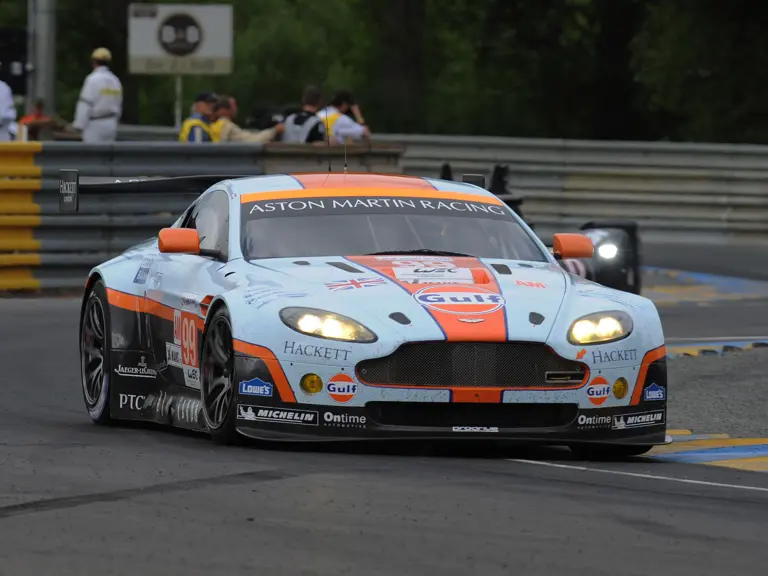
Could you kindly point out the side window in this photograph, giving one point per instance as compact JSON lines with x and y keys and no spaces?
{"x":210,"y":217}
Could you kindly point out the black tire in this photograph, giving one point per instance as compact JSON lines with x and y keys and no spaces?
{"x":95,"y":348}
{"x":603,"y":452}
{"x":217,"y":380}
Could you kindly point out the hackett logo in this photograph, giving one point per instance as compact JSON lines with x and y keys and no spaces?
{"x":67,"y":189}
{"x":626,"y":355}
{"x":324,"y":352}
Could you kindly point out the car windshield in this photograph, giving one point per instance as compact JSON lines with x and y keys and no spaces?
{"x":346,"y":224}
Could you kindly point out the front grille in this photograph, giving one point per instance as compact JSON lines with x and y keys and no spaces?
{"x":473,"y":364}
{"x":425,"y":414}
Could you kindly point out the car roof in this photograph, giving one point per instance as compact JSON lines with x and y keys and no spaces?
{"x":315,"y":180}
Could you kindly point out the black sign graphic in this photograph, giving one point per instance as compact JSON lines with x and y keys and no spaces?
{"x":180,"y":35}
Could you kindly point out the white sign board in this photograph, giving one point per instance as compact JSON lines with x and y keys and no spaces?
{"x":180,"y":39}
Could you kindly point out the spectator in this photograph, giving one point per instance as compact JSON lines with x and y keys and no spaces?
{"x":340,"y":126}
{"x":7,"y":112}
{"x":197,"y":128}
{"x":304,"y":127}
{"x":225,"y":130}
{"x":100,"y":105}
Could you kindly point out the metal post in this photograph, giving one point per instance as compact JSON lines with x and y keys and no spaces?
{"x":31,"y":54}
{"x":178,"y":103}
{"x":41,"y":19}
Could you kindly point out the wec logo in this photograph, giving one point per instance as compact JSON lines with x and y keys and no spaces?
{"x":459,"y":299}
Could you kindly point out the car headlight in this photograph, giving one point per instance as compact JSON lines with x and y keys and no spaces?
{"x":324,"y":324}
{"x":607,"y":251}
{"x":600,"y":327}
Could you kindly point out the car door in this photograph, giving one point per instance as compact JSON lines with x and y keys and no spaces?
{"x":184,"y":281}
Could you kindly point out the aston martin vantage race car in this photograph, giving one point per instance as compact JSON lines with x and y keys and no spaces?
{"x":363,"y":306}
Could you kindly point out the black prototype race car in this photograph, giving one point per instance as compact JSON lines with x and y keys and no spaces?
{"x":616,"y":261}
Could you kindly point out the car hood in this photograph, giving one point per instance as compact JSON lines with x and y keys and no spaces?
{"x":418,"y":298}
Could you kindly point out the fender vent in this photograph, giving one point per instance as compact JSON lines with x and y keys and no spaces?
{"x":344,"y":266}
{"x":400,"y":318}
{"x":501,"y":268}
{"x":535,"y":318}
{"x":301,"y":263}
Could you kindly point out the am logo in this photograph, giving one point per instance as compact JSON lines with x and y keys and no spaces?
{"x":341,"y":388}
{"x":598,"y":391}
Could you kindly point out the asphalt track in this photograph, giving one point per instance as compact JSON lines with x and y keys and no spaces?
{"x":78,"y":499}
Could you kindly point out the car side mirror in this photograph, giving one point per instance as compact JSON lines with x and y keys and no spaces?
{"x":572,"y":246}
{"x":178,"y":241}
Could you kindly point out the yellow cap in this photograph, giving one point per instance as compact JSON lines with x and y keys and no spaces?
{"x":102,"y":54}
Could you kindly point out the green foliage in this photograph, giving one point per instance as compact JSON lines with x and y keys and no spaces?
{"x":546,"y":68}
{"x":700,"y":67}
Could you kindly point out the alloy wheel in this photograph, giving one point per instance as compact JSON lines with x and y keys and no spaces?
{"x":217,"y":385}
{"x":92,"y":351}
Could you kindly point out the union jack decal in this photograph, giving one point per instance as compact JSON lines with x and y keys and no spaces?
{"x":352,"y":284}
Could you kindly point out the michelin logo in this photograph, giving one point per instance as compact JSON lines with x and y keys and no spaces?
{"x":256,"y":387}
{"x":655,"y":392}
{"x":638,"y":420}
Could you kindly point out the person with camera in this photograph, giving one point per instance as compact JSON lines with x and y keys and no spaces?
{"x":338,"y":122}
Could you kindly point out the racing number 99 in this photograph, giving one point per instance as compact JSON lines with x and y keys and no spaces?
{"x":188,"y":340}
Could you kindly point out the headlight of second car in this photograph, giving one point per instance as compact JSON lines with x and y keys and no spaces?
{"x":607,"y":251}
{"x":600,"y":328}
{"x":324,"y":324}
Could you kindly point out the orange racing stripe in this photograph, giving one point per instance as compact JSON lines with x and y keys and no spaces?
{"x":375,"y":192}
{"x":468,"y":313}
{"x":273,"y":365}
{"x":140,"y":304}
{"x":361,"y":180}
{"x":650,"y":357}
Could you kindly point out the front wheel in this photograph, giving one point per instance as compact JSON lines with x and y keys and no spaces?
{"x":607,"y":451}
{"x":94,"y":354}
{"x":217,"y":388}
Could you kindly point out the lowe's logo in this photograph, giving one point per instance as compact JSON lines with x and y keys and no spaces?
{"x":256,"y":387}
{"x":655,"y":392}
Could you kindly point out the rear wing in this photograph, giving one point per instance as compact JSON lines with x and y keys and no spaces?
{"x":70,"y":186}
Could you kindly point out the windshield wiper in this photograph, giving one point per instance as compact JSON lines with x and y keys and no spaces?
{"x":427,"y":251}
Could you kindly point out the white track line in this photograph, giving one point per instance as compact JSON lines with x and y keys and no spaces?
{"x":637,"y":475}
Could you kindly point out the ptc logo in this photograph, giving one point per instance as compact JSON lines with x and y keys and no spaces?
{"x":341,"y":388}
{"x":459,"y":299}
{"x":598,"y":391}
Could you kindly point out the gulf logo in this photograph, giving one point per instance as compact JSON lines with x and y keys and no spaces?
{"x":598,"y":391}
{"x":341,"y":388}
{"x":459,"y":299}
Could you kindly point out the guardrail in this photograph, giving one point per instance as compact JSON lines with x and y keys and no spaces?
{"x":41,"y":248}
{"x":689,"y":191}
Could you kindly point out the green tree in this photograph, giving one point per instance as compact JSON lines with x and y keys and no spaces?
{"x":700,"y":66}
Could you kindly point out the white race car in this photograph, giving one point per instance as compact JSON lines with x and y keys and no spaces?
{"x":363,"y":306}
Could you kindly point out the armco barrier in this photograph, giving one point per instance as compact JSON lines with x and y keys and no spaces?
{"x":41,"y":248}
{"x":20,"y":182}
{"x":689,"y":191}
